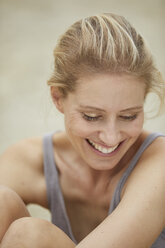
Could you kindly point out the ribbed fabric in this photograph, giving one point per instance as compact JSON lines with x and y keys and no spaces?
{"x":54,"y":193}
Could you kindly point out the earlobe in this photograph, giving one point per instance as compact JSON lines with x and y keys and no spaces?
{"x":57,"y":98}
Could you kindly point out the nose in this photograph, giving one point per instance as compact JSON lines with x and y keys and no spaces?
{"x":110,"y":134}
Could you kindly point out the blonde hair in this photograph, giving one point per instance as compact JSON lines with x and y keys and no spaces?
{"x":104,"y":43}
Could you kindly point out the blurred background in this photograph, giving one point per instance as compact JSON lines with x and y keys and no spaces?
{"x":29,"y":30}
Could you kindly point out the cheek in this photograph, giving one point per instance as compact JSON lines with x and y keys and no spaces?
{"x":136,"y":127}
{"x":76,"y":125}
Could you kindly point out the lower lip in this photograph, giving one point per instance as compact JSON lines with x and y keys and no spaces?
{"x":105,"y":154}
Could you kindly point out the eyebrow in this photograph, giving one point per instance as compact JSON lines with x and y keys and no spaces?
{"x":133,"y":108}
{"x":99,"y":109}
{"x":91,"y":108}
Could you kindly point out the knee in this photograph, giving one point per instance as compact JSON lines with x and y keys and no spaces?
{"x":11,"y":203}
{"x":33,"y":232}
{"x":11,"y":208}
{"x":28,"y":225}
{"x":8,"y":195}
{"x":5,"y":191}
{"x":26,"y":231}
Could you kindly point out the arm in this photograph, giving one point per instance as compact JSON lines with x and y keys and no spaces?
{"x":21,"y":169}
{"x":21,"y":181}
{"x":140,"y":217}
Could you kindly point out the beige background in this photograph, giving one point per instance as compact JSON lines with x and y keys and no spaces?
{"x":28,"y":33}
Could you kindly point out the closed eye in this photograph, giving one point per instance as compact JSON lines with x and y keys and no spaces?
{"x":98,"y":117}
{"x":91,"y":118}
{"x":128,"y":117}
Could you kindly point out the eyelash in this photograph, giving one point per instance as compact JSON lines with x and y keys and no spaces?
{"x":95,"y":118}
{"x":90,"y":118}
{"x":129,"y":118}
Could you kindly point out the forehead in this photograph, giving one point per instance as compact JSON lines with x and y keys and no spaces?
{"x":110,"y":88}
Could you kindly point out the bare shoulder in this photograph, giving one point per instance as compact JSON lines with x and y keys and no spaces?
{"x":153,"y":158}
{"x":21,"y":168}
{"x":28,"y":151}
{"x":157,"y":146}
{"x":150,"y":169}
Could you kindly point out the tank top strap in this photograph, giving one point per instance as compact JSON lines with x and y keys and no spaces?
{"x":50,"y":170}
{"x":54,"y":193}
{"x":116,"y":196}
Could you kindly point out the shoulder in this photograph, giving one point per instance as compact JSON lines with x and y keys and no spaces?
{"x":152,"y":160}
{"x":21,"y":168}
{"x":146,"y":183}
{"x":153,"y":156}
{"x":157,"y":144}
{"x":27,"y":150}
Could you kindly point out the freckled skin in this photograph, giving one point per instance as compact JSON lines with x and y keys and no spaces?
{"x":112,"y":95}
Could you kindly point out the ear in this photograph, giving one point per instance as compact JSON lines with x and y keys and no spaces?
{"x":57,"y":98}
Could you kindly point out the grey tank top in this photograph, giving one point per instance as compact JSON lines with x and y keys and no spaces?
{"x":55,"y":196}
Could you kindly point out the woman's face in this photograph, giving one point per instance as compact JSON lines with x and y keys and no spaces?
{"x":104,"y":117}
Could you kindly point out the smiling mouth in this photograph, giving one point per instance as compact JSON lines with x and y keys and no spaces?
{"x":102,"y":149}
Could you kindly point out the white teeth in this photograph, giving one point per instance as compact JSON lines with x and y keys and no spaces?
{"x":102,"y":149}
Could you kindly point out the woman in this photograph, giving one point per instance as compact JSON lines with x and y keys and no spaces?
{"x":103,"y":178}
